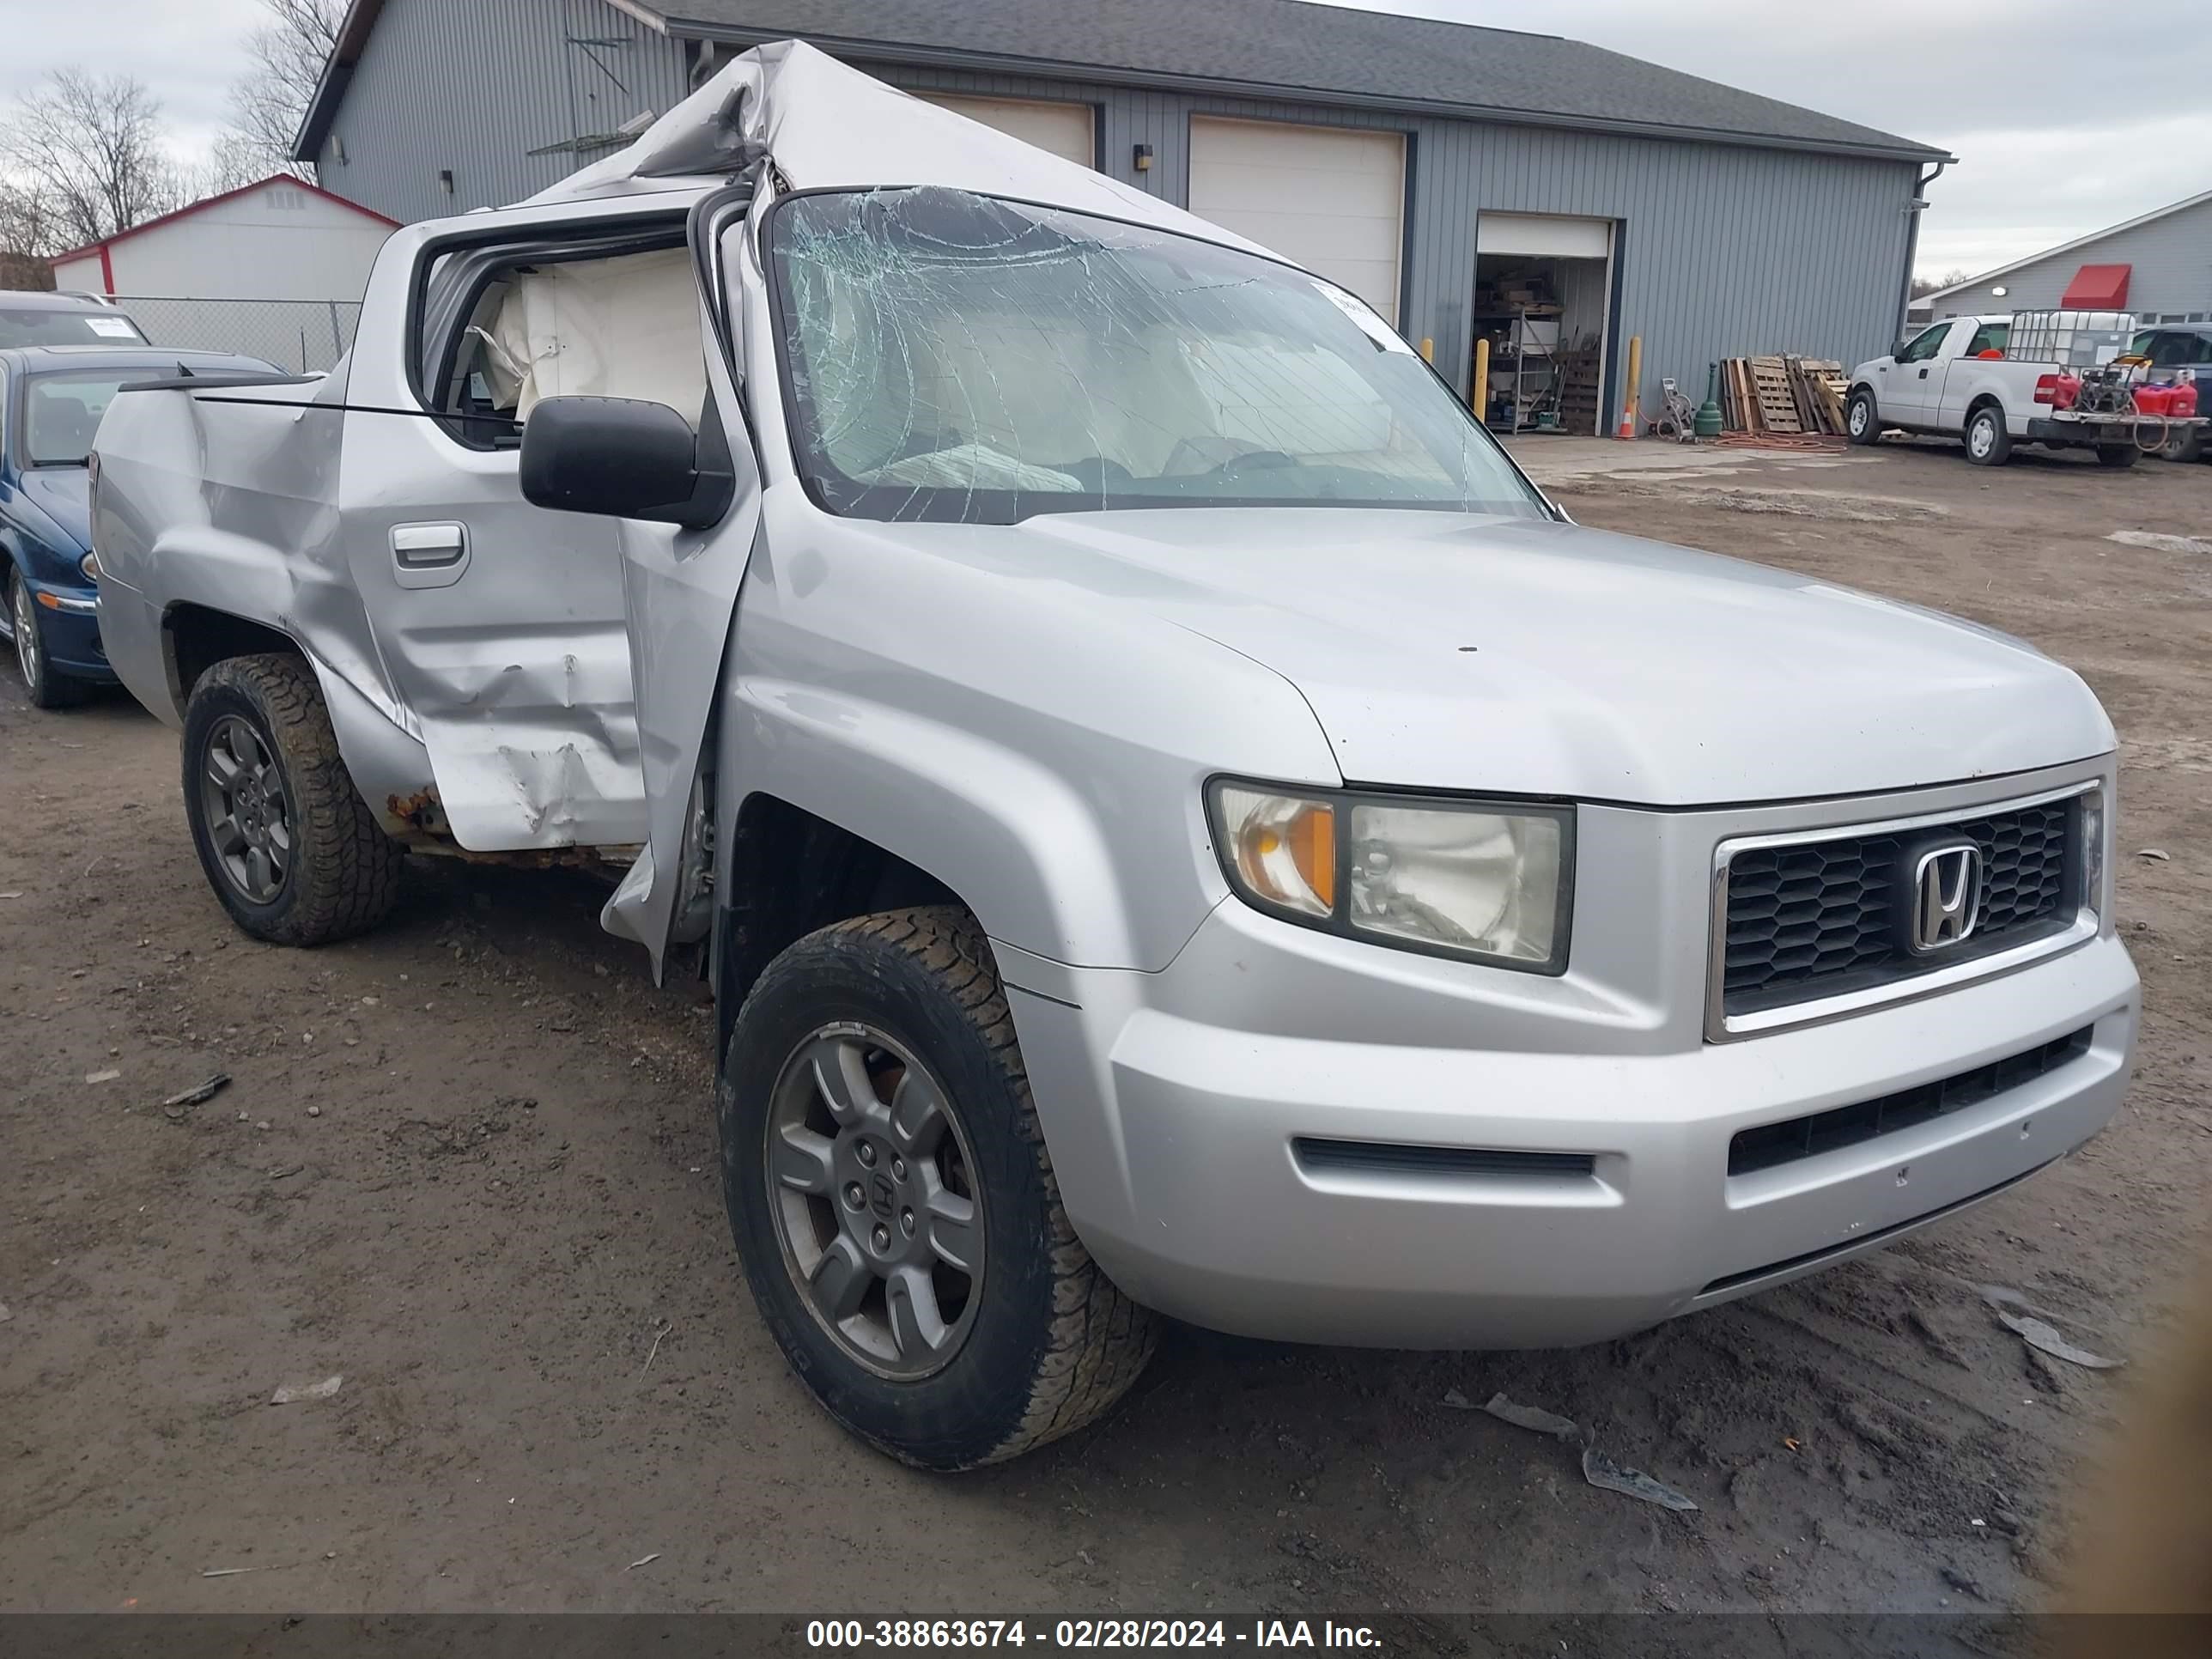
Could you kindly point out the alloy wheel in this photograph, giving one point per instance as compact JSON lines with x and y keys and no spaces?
{"x":248,"y":810}
{"x":27,"y":633}
{"x":868,"y":1172}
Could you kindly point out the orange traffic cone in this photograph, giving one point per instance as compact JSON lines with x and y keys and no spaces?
{"x":1628,"y":424}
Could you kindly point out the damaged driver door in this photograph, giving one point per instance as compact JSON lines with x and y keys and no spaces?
{"x":689,"y":512}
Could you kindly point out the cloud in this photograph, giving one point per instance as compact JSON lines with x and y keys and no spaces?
{"x":2060,"y":129}
{"x":188,"y":53}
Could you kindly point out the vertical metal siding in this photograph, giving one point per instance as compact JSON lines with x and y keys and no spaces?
{"x":2173,"y":261}
{"x":475,"y":86}
{"x":1727,"y":250}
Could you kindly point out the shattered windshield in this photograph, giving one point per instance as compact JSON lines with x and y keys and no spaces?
{"x":954,"y":357}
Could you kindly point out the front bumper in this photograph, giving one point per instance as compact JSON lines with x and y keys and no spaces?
{"x":1173,"y":1104}
{"x":68,"y":631}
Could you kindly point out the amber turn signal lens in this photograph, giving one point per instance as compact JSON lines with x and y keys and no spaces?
{"x":1283,"y":848}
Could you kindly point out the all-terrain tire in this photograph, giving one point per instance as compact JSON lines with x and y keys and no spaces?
{"x":344,"y":870}
{"x":1054,"y":1342}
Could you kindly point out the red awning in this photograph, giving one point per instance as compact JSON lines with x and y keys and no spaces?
{"x":2097,"y":287}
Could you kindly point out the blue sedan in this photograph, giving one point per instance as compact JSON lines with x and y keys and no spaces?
{"x":51,"y":401}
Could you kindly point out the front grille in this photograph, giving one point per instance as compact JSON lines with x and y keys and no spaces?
{"x":1819,"y":918}
{"x":1771,"y":1143}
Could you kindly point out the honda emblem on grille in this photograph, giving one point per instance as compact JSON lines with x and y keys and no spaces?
{"x":1947,"y":897}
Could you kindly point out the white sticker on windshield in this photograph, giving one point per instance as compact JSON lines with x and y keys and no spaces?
{"x":111,"y":328}
{"x":1361,"y":312}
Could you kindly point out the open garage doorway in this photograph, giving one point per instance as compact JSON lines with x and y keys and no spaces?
{"x":1543,"y":299}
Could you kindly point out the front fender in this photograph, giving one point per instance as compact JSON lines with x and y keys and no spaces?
{"x":1023,"y":850}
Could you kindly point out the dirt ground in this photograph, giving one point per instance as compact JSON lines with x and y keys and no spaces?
{"x":467,"y":1165}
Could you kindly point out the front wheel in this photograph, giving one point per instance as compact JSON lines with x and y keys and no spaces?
{"x":287,"y":841}
{"x":894,"y":1206}
{"x":1988,"y":443}
{"x":46,"y":685}
{"x":2117,"y":455}
{"x":1861,"y":423}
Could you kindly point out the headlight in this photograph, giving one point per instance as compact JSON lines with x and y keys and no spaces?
{"x":2096,"y":839}
{"x":89,"y":566}
{"x":1491,"y":882}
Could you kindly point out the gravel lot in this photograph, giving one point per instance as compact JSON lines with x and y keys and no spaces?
{"x":467,"y":1165}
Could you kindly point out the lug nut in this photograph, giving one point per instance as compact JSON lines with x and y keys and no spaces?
{"x":898,"y":1169}
{"x":867,"y":1155}
{"x":854,"y":1198}
{"x":882,"y":1236}
{"x":906,"y":1223}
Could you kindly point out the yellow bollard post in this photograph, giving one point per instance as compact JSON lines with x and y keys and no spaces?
{"x":1481,"y":398}
{"x":1632,"y":417}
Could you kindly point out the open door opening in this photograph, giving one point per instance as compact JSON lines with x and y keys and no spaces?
{"x":1543,"y":287}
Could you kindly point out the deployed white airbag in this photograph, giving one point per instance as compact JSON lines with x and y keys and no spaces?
{"x":626,"y":327}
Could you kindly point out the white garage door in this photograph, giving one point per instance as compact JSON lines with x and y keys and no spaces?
{"x":1545,"y":235}
{"x":1332,"y":198}
{"x":1063,"y":128}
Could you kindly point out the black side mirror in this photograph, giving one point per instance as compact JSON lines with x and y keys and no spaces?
{"x":1897,"y":351}
{"x":623,"y":458}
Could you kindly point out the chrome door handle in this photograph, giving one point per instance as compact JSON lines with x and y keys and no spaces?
{"x":429,"y":554}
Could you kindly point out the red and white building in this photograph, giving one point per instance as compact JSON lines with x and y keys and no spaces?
{"x":274,"y":269}
{"x":282,"y":238}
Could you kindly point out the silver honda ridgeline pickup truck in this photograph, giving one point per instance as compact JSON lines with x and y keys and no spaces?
{"x":1177,"y":823}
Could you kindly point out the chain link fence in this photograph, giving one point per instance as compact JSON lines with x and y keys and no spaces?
{"x":299,"y":335}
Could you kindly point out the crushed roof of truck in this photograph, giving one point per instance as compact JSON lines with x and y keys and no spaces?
{"x":826,"y":126}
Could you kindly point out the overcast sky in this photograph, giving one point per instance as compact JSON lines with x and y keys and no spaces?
{"x":2065,"y":119}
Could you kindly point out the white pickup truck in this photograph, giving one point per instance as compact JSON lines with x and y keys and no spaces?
{"x":1993,"y":383}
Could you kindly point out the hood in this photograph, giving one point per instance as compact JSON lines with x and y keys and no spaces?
{"x":63,"y":494}
{"x":1528,"y":657}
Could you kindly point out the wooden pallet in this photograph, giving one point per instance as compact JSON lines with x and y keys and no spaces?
{"x":1578,"y":388}
{"x":1778,"y":405}
{"x":1782,"y":395}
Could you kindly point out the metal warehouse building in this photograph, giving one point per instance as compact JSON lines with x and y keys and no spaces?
{"x":2158,"y":266}
{"x":1550,"y":197}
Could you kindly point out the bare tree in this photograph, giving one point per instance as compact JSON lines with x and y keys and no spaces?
{"x":269,"y":103}
{"x":89,"y":147}
{"x":26,"y":221}
{"x":1929,"y":284}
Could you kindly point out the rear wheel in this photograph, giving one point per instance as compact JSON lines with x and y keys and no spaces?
{"x":1861,"y":421}
{"x":2188,"y":446}
{"x":1988,"y":443}
{"x":2117,"y":455}
{"x":287,"y":841}
{"x":46,"y":685}
{"x":894,"y":1208}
